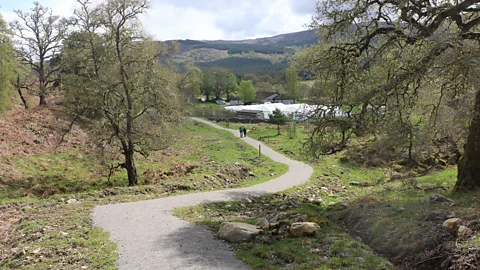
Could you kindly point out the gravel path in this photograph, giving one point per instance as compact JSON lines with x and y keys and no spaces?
{"x":149,"y":237}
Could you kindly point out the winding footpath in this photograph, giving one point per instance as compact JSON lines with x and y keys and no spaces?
{"x":150,"y":237}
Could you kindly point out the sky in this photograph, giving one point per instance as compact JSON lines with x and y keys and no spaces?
{"x":202,"y":19}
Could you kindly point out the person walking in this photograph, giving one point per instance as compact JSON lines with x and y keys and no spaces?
{"x":244,"y":132}
{"x":240,"y":129}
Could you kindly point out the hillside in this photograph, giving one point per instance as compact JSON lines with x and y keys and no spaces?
{"x":263,"y":56}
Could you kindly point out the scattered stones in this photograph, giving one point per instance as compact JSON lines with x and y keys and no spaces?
{"x":303,"y":228}
{"x":452,"y":224}
{"x":464,"y":231}
{"x":439,"y":198}
{"x":236,"y":232}
{"x":262,"y":223}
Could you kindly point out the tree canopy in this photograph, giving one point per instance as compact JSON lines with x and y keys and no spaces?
{"x":277,"y":117}
{"x":404,"y":69}
{"x":7,"y":65}
{"x":247,"y":92}
{"x":115,"y":81}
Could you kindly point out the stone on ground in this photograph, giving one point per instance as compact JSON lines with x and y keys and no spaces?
{"x":303,"y":228}
{"x":236,"y":232}
{"x":464,"y":231}
{"x":452,"y":224}
{"x":439,"y":198}
{"x":262,"y":223}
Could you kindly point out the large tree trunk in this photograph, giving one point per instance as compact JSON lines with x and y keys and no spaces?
{"x":468,"y":177}
{"x":43,"y":100}
{"x":130,"y":167}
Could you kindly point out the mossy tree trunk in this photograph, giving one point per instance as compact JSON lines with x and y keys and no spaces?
{"x":129,"y":165}
{"x":468,"y":177}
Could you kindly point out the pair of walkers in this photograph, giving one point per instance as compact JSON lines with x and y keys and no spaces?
{"x":243,"y":131}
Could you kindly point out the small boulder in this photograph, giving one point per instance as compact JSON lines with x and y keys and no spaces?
{"x":236,"y":232}
{"x":303,"y":228}
{"x":262,"y":223}
{"x":452,"y":224}
{"x":464,"y":231}
{"x":439,"y":198}
{"x":69,"y":201}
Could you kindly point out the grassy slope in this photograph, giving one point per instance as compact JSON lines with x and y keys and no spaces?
{"x":206,"y":151}
{"x":393,"y":212}
{"x":57,"y":232}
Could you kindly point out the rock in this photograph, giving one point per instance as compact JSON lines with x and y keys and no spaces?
{"x":69,"y":201}
{"x":303,"y":228}
{"x":251,"y":174}
{"x":452,"y":224}
{"x":355,"y":183}
{"x":315,"y":201}
{"x":464,"y":231}
{"x":439,"y":198}
{"x":37,"y":141}
{"x":342,"y":206}
{"x":262,"y":223}
{"x":236,"y":232}
{"x":325,"y":189}
{"x":277,"y":217}
{"x":452,"y":215}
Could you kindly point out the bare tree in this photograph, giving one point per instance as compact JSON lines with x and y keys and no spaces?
{"x":115,"y":81}
{"x":40,"y":35}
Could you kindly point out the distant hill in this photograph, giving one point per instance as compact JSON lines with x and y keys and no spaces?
{"x":262,"y":56}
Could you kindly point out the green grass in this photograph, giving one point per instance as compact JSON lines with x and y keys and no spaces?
{"x":210,"y":105}
{"x":57,"y":235}
{"x":389,"y":213}
{"x":330,"y":248}
{"x":52,"y":233}
{"x":213,"y":155}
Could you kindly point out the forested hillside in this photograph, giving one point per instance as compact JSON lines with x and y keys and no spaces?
{"x":263,"y":56}
{"x":243,"y":65}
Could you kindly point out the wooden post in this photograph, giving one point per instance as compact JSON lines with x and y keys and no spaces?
{"x":259,"y":150}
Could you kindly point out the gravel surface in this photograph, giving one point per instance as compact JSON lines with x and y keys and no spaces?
{"x":149,"y":237}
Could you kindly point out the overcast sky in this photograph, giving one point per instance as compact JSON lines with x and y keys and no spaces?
{"x":202,"y":19}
